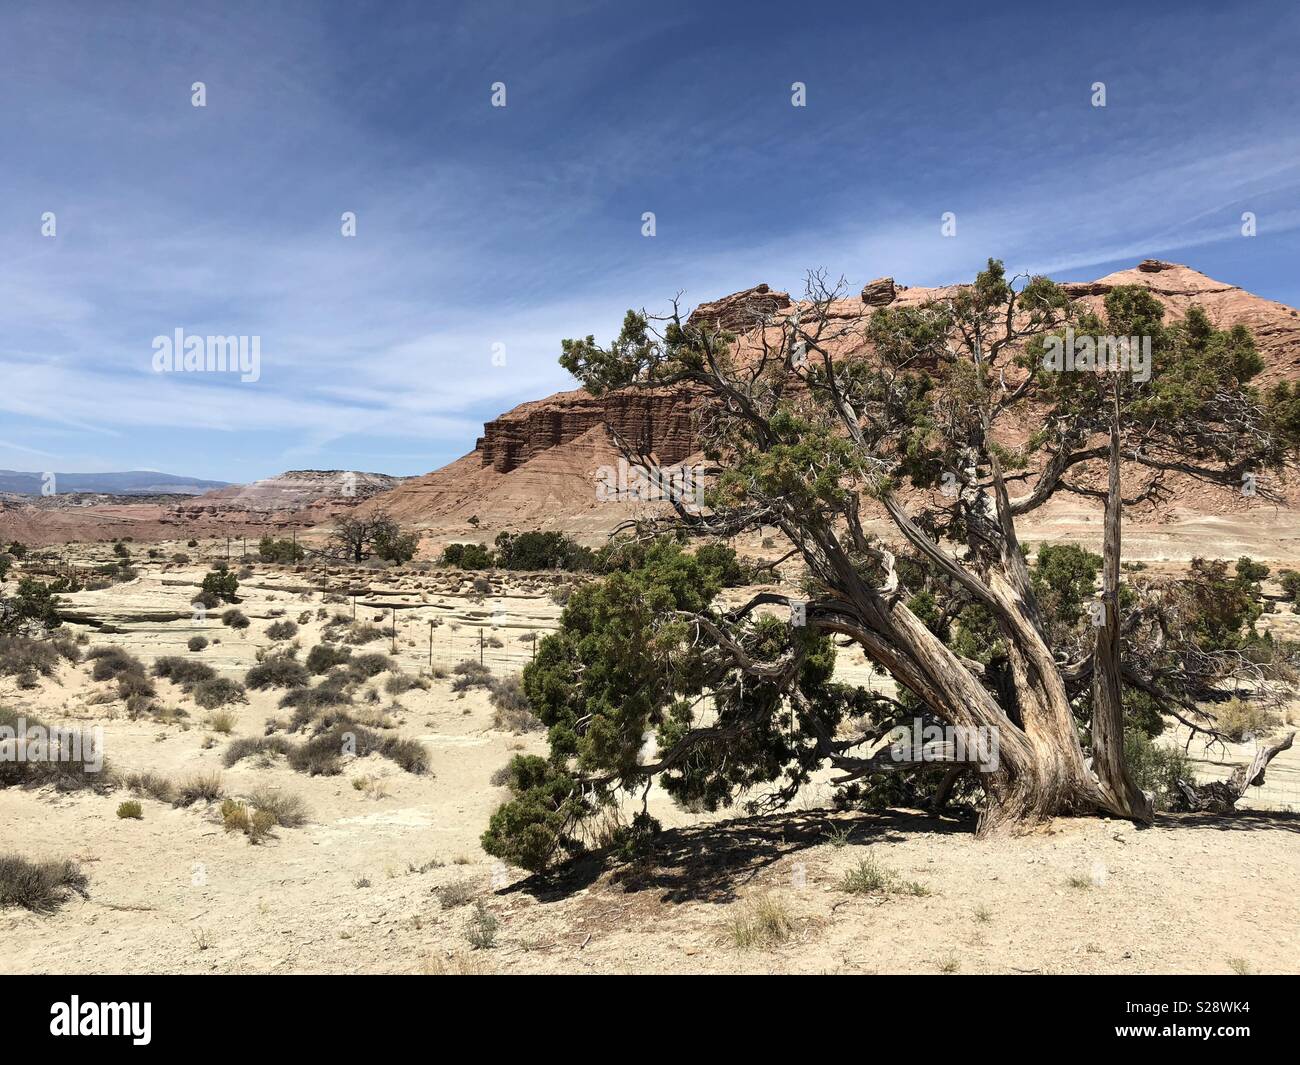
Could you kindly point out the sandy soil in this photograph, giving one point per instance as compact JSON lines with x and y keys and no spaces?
{"x":357,"y":888}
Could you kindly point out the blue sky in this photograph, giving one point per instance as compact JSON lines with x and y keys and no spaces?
{"x":518,"y":226}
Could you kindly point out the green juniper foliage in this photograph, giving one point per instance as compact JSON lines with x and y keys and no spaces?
{"x":817,"y":417}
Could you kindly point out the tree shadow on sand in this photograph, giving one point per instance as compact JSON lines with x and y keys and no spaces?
{"x":1239,"y":821}
{"x":714,"y":862}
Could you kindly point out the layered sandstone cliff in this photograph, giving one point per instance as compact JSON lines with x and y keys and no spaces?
{"x":539,"y":464}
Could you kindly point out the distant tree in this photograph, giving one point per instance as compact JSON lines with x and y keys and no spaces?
{"x":35,"y":606}
{"x":356,"y":538}
{"x":223,"y":586}
{"x":284,"y":551}
{"x":393,"y":545}
{"x":467,"y":556}
{"x":541,"y":550}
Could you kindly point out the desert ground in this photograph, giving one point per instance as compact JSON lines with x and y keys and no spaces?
{"x":387,"y":874}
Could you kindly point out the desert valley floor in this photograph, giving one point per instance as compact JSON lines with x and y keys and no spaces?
{"x":387,"y":874}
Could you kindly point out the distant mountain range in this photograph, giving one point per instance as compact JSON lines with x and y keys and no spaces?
{"x":131,"y":483}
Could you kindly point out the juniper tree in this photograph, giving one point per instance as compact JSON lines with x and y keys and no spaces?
{"x":890,"y":453}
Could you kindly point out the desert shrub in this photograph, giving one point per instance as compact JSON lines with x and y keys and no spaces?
{"x":68,"y":649}
{"x":218,"y":692}
{"x":235,"y":619}
{"x":456,"y":893}
{"x":363,"y":632}
{"x":20,"y":655}
{"x":111,"y":661}
{"x":130,"y":810}
{"x":481,"y":930}
{"x":63,"y":772}
{"x":325,"y":656}
{"x":197,"y":643}
{"x":321,"y":755}
{"x":282,"y":630}
{"x":308,"y":702}
{"x":247,"y":746}
{"x":363,"y":667}
{"x":285,"y":808}
{"x":409,"y":754}
{"x":512,"y":711}
{"x":202,"y":787}
{"x":39,"y":886}
{"x":404,"y":682}
{"x":184,"y":672}
{"x":1239,"y":718}
{"x":181,"y":558}
{"x":471,"y":674}
{"x":1155,"y":767}
{"x":134,"y":686}
{"x":151,"y":784}
{"x":279,"y":671}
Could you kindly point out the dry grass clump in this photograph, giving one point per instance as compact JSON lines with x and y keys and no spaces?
{"x":236,"y":817}
{"x":41,"y":887}
{"x":151,"y":784}
{"x":130,"y":810}
{"x":202,"y":787}
{"x":285,"y":808}
{"x":760,"y":923}
{"x":222,"y":721}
